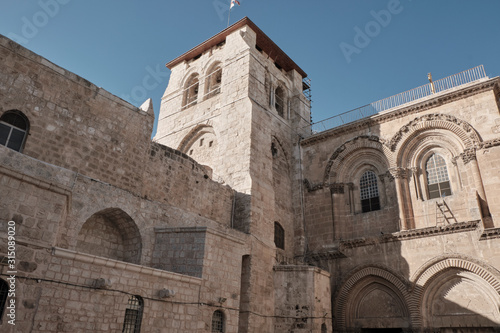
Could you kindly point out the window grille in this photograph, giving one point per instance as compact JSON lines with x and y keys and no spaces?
{"x":438,"y":182}
{"x":133,"y":315}
{"x":13,"y":129}
{"x":4,"y":290}
{"x":369,"y":192}
{"x":279,"y":236}
{"x":218,"y":322}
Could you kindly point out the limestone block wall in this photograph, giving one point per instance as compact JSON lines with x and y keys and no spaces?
{"x":302,"y":294}
{"x":73,"y":123}
{"x":395,"y":145}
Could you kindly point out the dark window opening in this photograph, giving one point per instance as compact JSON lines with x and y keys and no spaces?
{"x":4,"y":290}
{"x":133,"y":315}
{"x":197,"y":57}
{"x":369,"y":192}
{"x":279,"y":101}
{"x":258,"y":48}
{"x":279,"y":236}
{"x":13,"y":130}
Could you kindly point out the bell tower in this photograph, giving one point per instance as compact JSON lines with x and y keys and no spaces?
{"x":235,"y":104}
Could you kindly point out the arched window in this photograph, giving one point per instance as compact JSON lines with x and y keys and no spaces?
{"x":133,"y":315}
{"x":218,"y":322}
{"x":369,"y":192}
{"x":213,"y":81}
{"x":279,"y":236}
{"x":14,"y":127}
{"x":279,"y":101}
{"x":438,"y":182}
{"x":4,"y":290}
{"x":191,"y":91}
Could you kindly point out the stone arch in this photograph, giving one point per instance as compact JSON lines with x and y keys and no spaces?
{"x":111,"y":233}
{"x":213,"y":79}
{"x":201,"y":144}
{"x":190,"y":90}
{"x":372,"y":143}
{"x":369,"y":282}
{"x":463,"y":130}
{"x":442,"y":284}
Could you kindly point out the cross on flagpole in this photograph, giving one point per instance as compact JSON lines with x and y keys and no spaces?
{"x":231,"y":6}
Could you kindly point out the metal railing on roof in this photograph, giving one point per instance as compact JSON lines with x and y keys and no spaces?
{"x":455,"y":80}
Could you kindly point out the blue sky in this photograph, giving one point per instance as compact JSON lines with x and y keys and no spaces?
{"x":116,"y":44}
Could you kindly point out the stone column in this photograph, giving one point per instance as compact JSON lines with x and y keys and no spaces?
{"x":469,"y":156}
{"x":400,"y":176}
{"x":336,"y":188}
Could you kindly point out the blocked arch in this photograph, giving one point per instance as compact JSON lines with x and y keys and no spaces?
{"x":111,"y":233}
{"x":444,"y":270}
{"x":363,"y":278}
{"x":348,"y":148}
{"x":193,"y":135}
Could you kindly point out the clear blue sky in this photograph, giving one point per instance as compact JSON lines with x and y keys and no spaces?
{"x":116,"y":44}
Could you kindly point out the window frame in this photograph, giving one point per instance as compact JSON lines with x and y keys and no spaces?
{"x":221,"y":326}
{"x":213,"y":88}
{"x":133,"y":315}
{"x":10,"y":128}
{"x":191,"y":91}
{"x":372,"y":202}
{"x":438,"y":184}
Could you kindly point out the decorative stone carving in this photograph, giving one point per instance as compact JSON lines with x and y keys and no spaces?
{"x":399,"y":173}
{"x":337,"y":188}
{"x":468,"y":155}
{"x":436,"y":120}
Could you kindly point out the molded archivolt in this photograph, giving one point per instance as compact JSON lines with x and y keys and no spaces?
{"x":466,"y":134}
{"x":457,"y":287}
{"x":113,"y":234}
{"x":374,"y":282}
{"x":348,"y":149}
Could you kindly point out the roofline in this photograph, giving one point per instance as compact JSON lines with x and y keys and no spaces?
{"x":263,"y":41}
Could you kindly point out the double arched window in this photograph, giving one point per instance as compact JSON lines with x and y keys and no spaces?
{"x":14,"y":128}
{"x":368,"y":187}
{"x":438,"y":181}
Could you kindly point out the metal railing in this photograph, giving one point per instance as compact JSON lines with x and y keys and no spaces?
{"x":412,"y":95}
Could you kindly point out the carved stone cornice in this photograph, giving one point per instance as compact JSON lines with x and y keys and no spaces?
{"x":436,"y":118}
{"x":337,"y":188}
{"x":398,"y":173}
{"x":468,"y":155}
{"x":489,"y":144}
{"x":434,"y":101}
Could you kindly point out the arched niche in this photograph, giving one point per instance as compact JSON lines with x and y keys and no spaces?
{"x":111,"y":233}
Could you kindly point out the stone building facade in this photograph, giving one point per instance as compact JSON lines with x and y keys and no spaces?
{"x":237,"y":217}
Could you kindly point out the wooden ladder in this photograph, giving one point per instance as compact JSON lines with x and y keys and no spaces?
{"x":444,"y":214}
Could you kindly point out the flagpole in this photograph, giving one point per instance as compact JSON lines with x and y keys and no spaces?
{"x":228,"y":16}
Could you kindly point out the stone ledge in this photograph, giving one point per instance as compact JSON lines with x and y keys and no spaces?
{"x":111,"y":263}
{"x":490,"y":234}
